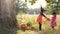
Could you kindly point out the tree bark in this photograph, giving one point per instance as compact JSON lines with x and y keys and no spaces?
{"x":7,"y":17}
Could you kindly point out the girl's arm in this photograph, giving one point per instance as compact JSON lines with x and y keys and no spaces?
{"x":46,"y":17}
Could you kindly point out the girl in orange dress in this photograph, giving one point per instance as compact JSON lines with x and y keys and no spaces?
{"x":39,"y":18}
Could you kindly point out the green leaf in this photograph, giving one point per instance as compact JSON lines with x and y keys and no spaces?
{"x":49,"y":1}
{"x":32,"y":1}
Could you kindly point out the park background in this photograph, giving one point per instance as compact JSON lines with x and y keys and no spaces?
{"x":14,"y":13}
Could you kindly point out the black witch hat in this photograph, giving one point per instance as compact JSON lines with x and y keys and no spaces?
{"x":42,"y":9}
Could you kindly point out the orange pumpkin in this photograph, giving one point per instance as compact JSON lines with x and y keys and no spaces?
{"x":24,"y":26}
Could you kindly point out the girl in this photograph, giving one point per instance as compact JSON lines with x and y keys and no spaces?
{"x":39,"y":18}
{"x":53,"y":20}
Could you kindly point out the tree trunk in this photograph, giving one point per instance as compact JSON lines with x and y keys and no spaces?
{"x":7,"y":17}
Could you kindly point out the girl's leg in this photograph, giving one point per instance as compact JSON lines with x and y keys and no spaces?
{"x":40,"y":25}
{"x":53,"y":27}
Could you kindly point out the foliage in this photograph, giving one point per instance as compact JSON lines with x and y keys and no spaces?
{"x":20,"y":6}
{"x":49,"y":1}
{"x":34,"y":1}
{"x":29,"y":24}
{"x":54,"y":6}
{"x":31,"y":1}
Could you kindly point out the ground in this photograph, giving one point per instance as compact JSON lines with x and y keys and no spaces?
{"x":46,"y":29}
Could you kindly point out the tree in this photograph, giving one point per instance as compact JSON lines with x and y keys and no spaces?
{"x":55,"y":6}
{"x":31,"y":1}
{"x":49,"y":1}
{"x":49,"y":8}
{"x":8,"y":21}
{"x":20,"y":6}
{"x":34,"y":1}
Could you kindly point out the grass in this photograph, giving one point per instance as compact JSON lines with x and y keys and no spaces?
{"x":46,"y":29}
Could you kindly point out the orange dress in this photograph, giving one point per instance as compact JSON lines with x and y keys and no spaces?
{"x":39,"y":19}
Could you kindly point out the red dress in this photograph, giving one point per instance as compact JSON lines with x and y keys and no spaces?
{"x":39,"y":19}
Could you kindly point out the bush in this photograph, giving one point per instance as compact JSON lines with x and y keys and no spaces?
{"x":29,"y":24}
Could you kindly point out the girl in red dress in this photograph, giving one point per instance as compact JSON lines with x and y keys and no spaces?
{"x":39,"y":18}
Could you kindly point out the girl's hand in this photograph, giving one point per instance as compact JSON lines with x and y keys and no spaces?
{"x":48,"y":19}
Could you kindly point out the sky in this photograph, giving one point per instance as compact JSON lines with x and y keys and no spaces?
{"x":38,"y":4}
